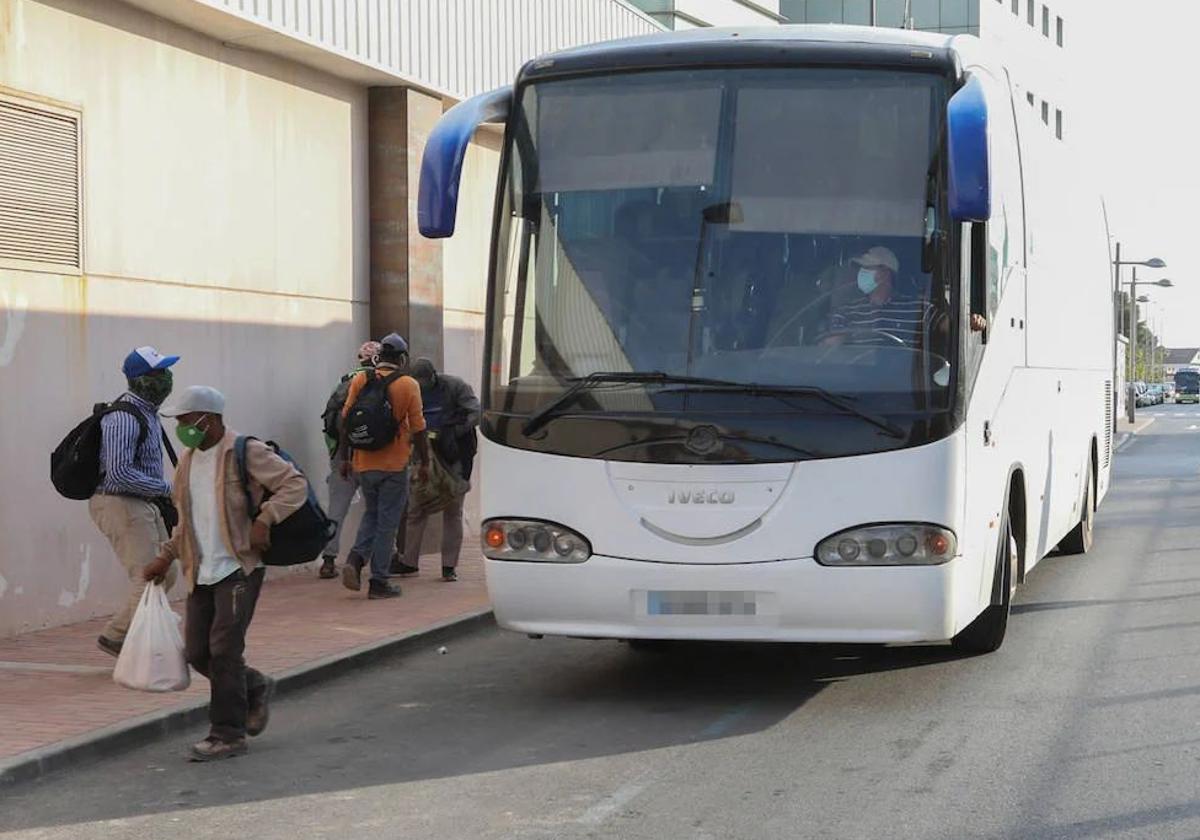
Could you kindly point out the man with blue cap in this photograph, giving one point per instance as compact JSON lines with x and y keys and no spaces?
{"x":132,"y":484}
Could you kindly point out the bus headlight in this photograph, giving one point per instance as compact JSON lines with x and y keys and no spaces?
{"x":888,"y":545}
{"x":525,"y":539}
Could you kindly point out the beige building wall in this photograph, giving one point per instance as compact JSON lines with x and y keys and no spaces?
{"x":224,"y":220}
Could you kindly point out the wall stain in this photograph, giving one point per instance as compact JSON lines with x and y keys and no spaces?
{"x":12,"y":324}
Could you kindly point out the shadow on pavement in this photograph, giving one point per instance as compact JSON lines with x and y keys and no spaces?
{"x":495,"y":701}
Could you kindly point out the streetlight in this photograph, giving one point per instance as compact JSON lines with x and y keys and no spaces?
{"x":1153,"y":262}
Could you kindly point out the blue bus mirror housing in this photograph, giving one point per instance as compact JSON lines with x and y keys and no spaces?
{"x":442,"y":162}
{"x":968,"y":158}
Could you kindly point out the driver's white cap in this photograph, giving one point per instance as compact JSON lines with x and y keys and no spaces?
{"x":878,"y":257}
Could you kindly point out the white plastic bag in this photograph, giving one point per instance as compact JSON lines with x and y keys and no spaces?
{"x":152,"y":657}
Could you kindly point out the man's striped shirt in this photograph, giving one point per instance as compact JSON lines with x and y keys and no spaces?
{"x":128,"y":469}
{"x":908,"y":319}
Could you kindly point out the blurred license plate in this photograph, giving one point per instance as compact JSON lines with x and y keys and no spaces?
{"x":701,"y":602}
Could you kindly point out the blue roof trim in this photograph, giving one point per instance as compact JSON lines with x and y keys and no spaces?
{"x":967,"y":139}
{"x":441,"y":164}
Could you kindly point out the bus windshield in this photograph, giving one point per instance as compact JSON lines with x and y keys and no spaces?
{"x":1187,"y":381}
{"x":757,"y":226}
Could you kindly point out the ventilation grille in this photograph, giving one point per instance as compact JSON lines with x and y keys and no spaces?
{"x":1108,"y":421}
{"x":39,"y":185}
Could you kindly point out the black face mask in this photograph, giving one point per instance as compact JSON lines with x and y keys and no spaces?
{"x":153,"y":389}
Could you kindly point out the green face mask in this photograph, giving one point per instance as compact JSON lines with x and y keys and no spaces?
{"x":190,"y":435}
{"x":153,"y":389}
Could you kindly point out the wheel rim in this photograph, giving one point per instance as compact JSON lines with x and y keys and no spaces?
{"x":1014,"y":563}
{"x":1087,"y":512}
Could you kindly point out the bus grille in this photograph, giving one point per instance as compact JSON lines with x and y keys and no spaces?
{"x":1108,"y":421}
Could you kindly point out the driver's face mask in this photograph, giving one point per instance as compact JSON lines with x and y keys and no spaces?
{"x":867,"y":281}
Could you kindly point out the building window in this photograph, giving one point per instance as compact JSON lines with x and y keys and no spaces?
{"x":1060,"y":32}
{"x":1045,"y":112}
{"x":1030,"y":8}
{"x":1017,"y":7}
{"x":1031,"y":98}
{"x":40,"y":184}
{"x":1046,"y":21}
{"x":1058,"y":127}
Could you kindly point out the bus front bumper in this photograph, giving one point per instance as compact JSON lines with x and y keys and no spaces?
{"x":788,"y":600}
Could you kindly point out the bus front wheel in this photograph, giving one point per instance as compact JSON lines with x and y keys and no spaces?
{"x":986,"y":633}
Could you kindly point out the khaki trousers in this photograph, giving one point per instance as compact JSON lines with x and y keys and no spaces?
{"x":134,"y":528}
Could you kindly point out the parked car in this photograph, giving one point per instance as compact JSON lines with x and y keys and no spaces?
{"x":1142,"y":395}
{"x":1158,"y":394}
{"x":1169,"y":391}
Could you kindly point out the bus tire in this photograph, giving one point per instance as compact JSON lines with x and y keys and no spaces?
{"x":648,"y":645}
{"x":986,"y":633}
{"x":1079,"y":541}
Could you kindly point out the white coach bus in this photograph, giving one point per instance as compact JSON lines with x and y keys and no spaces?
{"x":793,"y":334}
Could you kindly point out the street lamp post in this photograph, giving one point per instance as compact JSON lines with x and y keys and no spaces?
{"x":1154,"y":262}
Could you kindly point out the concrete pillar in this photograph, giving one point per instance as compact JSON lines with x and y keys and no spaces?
{"x":406,"y":268}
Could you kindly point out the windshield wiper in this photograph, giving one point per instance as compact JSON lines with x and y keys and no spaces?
{"x":725,"y":437}
{"x":655,"y":377}
{"x":603,"y":377}
{"x":829,"y":397}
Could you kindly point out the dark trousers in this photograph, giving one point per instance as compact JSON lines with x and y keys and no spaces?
{"x":217,"y":619}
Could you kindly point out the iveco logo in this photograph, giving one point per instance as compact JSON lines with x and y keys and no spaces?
{"x":700,"y":497}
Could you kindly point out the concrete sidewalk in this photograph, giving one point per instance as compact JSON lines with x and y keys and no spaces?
{"x":58,"y":702}
{"x":1126,"y":431}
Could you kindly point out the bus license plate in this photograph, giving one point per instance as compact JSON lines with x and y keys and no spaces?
{"x":701,"y":602}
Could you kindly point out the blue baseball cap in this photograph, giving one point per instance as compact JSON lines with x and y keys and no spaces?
{"x":144,"y":360}
{"x":394,"y":342}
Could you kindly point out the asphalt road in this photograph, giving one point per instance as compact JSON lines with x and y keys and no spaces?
{"x":1085,"y":724}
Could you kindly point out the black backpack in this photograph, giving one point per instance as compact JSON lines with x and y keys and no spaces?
{"x":75,"y":462}
{"x":370,"y":424}
{"x":307,"y":530}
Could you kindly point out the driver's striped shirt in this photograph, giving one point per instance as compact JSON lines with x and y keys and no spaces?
{"x":908,"y":319}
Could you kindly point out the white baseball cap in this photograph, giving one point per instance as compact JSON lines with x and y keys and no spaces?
{"x":200,"y":399}
{"x":878,"y":257}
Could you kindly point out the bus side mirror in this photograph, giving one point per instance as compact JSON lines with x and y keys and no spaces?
{"x":969,"y":180}
{"x":441,"y":165}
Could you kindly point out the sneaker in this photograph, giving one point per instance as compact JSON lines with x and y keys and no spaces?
{"x":449,"y":575}
{"x":352,"y":573}
{"x":214,"y":749}
{"x":328,"y":568}
{"x":109,"y":646}
{"x":401,"y":569}
{"x":382,"y":591}
{"x":259,"y":712}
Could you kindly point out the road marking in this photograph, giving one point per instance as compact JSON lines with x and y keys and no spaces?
{"x":725,"y":722}
{"x":615,"y":801}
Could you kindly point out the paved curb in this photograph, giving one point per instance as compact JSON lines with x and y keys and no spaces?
{"x":1126,"y":437}
{"x":135,"y":731}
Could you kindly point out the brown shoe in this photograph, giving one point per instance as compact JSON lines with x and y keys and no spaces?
{"x":259,"y":713}
{"x":328,"y":569}
{"x":214,"y":749}
{"x":109,"y":646}
{"x":352,"y":573}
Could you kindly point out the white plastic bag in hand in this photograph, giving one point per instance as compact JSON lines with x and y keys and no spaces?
{"x":152,"y":657}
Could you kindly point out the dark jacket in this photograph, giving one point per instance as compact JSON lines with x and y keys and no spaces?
{"x":452,"y":411}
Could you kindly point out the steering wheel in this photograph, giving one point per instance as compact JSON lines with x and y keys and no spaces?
{"x":869,"y":336}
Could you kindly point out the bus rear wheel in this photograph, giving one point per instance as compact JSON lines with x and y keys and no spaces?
{"x":986,"y":633}
{"x":1079,"y":541}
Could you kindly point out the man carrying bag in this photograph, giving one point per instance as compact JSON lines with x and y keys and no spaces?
{"x":220,"y":551}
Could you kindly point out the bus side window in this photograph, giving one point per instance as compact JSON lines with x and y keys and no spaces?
{"x":982,"y":275}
